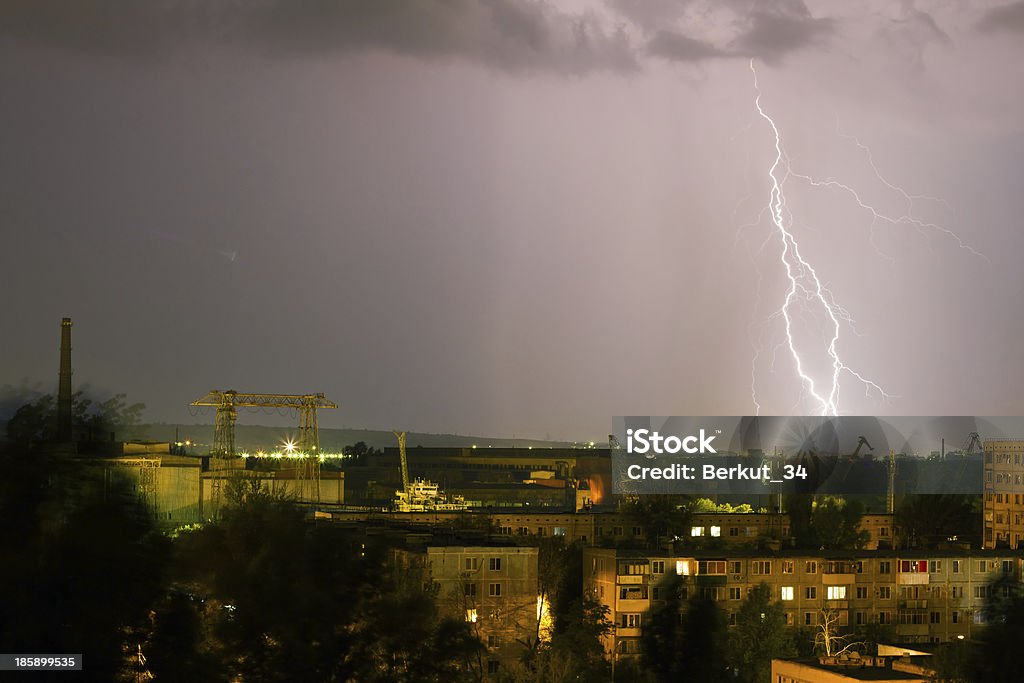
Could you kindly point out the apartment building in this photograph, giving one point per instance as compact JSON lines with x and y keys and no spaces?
{"x":925,"y":597}
{"x":494,"y":588}
{"x":1004,"y":494}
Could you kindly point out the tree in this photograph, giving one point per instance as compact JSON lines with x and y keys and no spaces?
{"x":926,"y":521}
{"x":660,"y":516}
{"x":36,"y":422}
{"x":576,"y":645}
{"x":360,"y":454}
{"x":829,"y":636}
{"x":799,"y":507}
{"x":33,"y":423}
{"x":952,"y":662}
{"x":684,"y":640}
{"x":286,"y":599}
{"x":837,"y":524}
{"x":998,"y":651}
{"x":83,"y":563}
{"x":759,"y":636}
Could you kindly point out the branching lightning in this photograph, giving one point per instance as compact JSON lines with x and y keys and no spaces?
{"x":806,"y":288}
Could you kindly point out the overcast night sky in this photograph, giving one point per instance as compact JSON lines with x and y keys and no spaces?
{"x":509,"y":217}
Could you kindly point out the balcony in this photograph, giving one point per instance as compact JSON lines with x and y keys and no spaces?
{"x":912,"y":579}
{"x":844,"y":578}
{"x":912,"y":604}
{"x":633,"y":605}
{"x":630,"y":579}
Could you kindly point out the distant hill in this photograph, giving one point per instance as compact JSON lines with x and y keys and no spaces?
{"x":251,"y":437}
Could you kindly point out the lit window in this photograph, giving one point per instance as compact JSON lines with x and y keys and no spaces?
{"x":471,"y":616}
{"x":683,"y":567}
{"x":837,"y":592}
{"x":716,"y":531}
{"x":787,"y":593}
{"x":697,"y":531}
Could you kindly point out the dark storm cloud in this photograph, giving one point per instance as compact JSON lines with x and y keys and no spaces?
{"x":774,"y":32}
{"x":693,"y":31}
{"x":1005,"y":18}
{"x":680,"y":48}
{"x":650,"y":15}
{"x":505,"y":34}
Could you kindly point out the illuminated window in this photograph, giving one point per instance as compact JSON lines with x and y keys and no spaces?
{"x":697,"y":531}
{"x":836,"y":592}
{"x":683,"y":567}
{"x":716,"y":531}
{"x":787,"y":593}
{"x":471,"y":615}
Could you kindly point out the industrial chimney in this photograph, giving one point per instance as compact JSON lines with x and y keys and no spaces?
{"x":64,"y":388}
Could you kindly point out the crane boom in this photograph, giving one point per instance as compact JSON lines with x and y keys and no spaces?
{"x":227,"y":403}
{"x":405,"y":463}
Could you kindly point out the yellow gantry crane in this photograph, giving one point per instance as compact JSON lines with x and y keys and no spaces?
{"x":308,"y":444}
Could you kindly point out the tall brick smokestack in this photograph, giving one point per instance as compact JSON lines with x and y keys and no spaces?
{"x":64,"y":389}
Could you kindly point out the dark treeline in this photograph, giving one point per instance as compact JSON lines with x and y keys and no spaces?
{"x":262,"y":594}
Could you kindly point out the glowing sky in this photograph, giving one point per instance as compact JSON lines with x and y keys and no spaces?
{"x":506,"y":217}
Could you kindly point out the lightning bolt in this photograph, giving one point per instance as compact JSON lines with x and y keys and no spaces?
{"x":805,"y":289}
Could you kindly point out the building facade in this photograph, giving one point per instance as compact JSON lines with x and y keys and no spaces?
{"x":1004,"y":494}
{"x":925,"y":597}
{"x":494,"y":588}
